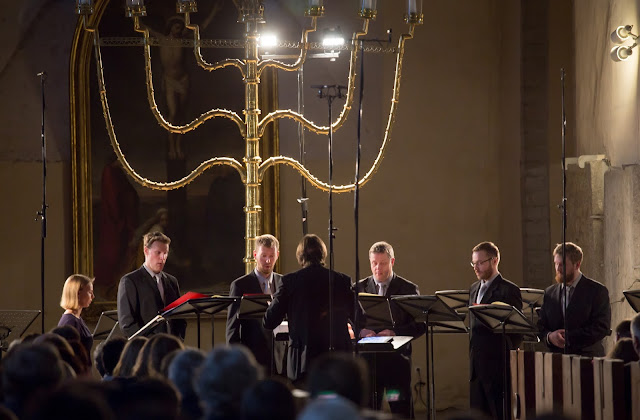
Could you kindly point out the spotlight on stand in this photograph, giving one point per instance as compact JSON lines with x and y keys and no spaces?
{"x":332,"y":39}
{"x":268,"y":40}
{"x":621,"y":35}
{"x":620,"y":53}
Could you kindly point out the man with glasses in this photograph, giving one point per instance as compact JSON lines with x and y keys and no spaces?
{"x":486,"y":378}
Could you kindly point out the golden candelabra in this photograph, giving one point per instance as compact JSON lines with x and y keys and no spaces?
{"x":252,"y":128}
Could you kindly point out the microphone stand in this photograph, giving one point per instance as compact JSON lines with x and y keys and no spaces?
{"x":564,"y":214}
{"x":330,"y":92}
{"x":303,"y":200}
{"x":42,"y":214}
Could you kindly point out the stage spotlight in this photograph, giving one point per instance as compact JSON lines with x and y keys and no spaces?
{"x":620,"y":53}
{"x":621,"y":34}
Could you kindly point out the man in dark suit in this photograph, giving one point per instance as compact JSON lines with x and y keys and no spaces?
{"x":392,"y":370}
{"x":486,"y":348}
{"x":588,"y":310}
{"x":143,"y":293}
{"x":262,"y":280}
{"x":304,"y":299}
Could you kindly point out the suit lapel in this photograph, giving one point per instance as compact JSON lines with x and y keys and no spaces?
{"x":393,"y":287}
{"x":488,"y":295}
{"x":473,"y":292}
{"x":151,"y":283}
{"x":371,"y":286}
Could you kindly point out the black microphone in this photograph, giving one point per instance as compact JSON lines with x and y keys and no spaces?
{"x":42,"y":74}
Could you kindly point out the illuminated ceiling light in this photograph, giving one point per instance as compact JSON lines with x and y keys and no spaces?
{"x":268,"y":40}
{"x":332,"y":38}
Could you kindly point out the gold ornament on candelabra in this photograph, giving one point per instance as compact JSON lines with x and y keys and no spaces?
{"x":252,"y":126}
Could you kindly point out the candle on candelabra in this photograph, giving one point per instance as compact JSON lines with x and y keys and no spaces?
{"x":133,"y":3}
{"x":87,"y":2}
{"x":315,"y":3}
{"x":412,"y":7}
{"x":369,"y":4}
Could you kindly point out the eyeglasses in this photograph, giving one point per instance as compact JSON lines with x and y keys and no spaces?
{"x":479,"y":263}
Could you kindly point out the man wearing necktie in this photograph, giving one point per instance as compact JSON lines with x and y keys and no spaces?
{"x":392,"y":370}
{"x":262,"y":280}
{"x":587,"y":308}
{"x":486,"y":348}
{"x":143,"y":293}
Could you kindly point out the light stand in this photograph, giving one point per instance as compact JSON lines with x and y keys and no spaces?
{"x":42,"y":214}
{"x":564,"y":215}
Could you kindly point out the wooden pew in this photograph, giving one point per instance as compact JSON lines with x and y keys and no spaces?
{"x":609,"y":389}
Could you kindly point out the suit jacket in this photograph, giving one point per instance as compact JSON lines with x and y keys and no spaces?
{"x":250,"y":332}
{"x":139,"y":301}
{"x":485,"y":356}
{"x":588,"y":317}
{"x":404,"y":323}
{"x":304,"y":299}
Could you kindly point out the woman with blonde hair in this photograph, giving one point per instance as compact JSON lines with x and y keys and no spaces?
{"x":77,"y":294}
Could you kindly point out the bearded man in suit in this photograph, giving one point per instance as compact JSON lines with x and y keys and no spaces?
{"x":262,"y":280}
{"x":587,"y":310}
{"x":142,"y":294}
{"x":486,"y":348}
{"x":392,"y":370}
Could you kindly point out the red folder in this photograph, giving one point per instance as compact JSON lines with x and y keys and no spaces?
{"x":182,"y":299}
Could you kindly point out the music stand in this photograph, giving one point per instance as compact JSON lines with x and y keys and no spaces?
{"x":500,"y":319}
{"x":458,"y":300}
{"x":376,"y":310}
{"x":107,"y":325}
{"x":254,"y":306}
{"x":434,"y":313}
{"x":200,"y":305}
{"x":13,"y":323}
{"x":531,"y":299}
{"x":633,"y":297}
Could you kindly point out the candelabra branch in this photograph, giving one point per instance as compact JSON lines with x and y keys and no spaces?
{"x":304,"y":48}
{"x":310,"y":125}
{"x":276,"y":160}
{"x":239,"y":64}
{"x":154,"y":106}
{"x":165,"y":186}
{"x":395,"y":100}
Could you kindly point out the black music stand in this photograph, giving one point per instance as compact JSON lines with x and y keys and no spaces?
{"x":435,"y":314}
{"x":503,"y":319}
{"x":200,"y":305}
{"x":13,"y":323}
{"x":458,"y":300}
{"x":107,"y":326}
{"x":531,"y":299}
{"x":376,"y":310}
{"x":633,"y":297}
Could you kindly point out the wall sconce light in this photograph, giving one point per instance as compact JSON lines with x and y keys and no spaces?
{"x":621,"y":35}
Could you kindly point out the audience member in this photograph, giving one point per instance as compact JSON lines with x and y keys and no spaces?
{"x":111,"y":352}
{"x":623,"y":329}
{"x":124,"y":368}
{"x":150,"y":357}
{"x":97,"y":358}
{"x":225,"y":375}
{"x":269,"y":399}
{"x":181,"y":373}
{"x":65,"y":351}
{"x":75,"y":400}
{"x":145,"y":399}
{"x":339,"y":373}
{"x":623,"y":350}
{"x":28,"y":372}
{"x":330,"y":407}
